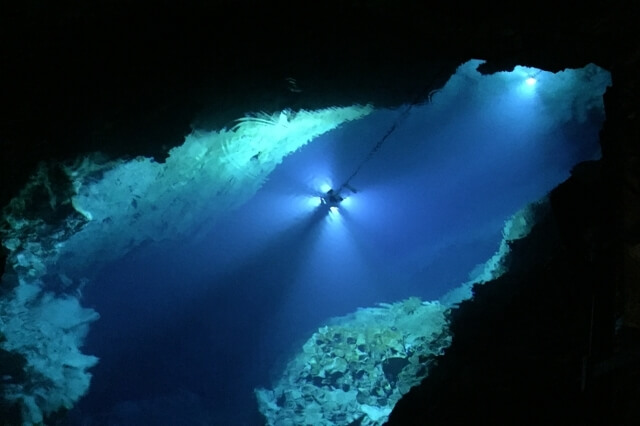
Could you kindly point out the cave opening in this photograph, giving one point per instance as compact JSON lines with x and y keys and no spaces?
{"x":246,"y":266}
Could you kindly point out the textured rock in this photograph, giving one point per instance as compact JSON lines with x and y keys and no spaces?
{"x":357,"y":367}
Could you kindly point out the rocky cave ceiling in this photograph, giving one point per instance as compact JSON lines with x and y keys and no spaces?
{"x":131,"y":79}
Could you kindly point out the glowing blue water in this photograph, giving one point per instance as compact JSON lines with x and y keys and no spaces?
{"x":208,"y":321}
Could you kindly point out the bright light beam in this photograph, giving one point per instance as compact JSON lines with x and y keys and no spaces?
{"x":325,"y":187}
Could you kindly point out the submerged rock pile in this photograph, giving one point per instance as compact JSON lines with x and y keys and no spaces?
{"x":354,"y":369}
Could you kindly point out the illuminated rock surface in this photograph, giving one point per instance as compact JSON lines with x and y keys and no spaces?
{"x":357,"y":367}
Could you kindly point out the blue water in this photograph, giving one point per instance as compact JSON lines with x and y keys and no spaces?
{"x":189,"y":329}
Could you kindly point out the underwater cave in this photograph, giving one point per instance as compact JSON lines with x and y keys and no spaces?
{"x":339,"y":247}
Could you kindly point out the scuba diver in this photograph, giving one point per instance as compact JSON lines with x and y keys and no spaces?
{"x":332,"y":198}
